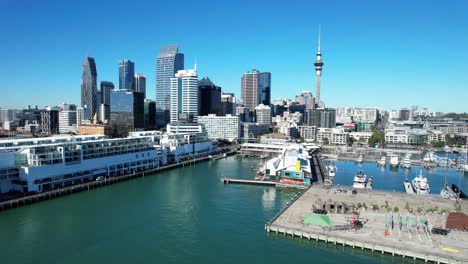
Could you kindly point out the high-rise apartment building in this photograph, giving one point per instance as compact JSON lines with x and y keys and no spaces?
{"x":184,"y":96}
{"x":322,"y":117}
{"x":127,"y":75}
{"x":126,"y":112}
{"x":140,"y":84}
{"x":256,"y":88}
{"x":209,"y":97}
{"x":168,"y":63}
{"x":89,"y":88}
{"x":106,"y":88}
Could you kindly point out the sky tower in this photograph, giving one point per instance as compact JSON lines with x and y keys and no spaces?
{"x":318,"y":72}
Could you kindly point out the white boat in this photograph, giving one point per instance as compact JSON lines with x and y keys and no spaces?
{"x":359,"y":180}
{"x":430,"y":157}
{"x":447,"y":149}
{"x":394,"y":160}
{"x":408,"y":187}
{"x":407,"y":161}
{"x":360,"y":159}
{"x":421,"y":185}
{"x":331,"y":170}
{"x":382,"y":161}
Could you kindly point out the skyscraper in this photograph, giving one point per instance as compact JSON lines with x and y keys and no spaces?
{"x":126,"y":112}
{"x":140,"y":84}
{"x":209,"y":97}
{"x":169,"y":62}
{"x":127,"y":75}
{"x":150,"y":114}
{"x":89,"y":88}
{"x":50,"y":120}
{"x":256,"y":88}
{"x":106,"y":88}
{"x":184,"y":96}
{"x":318,"y":73}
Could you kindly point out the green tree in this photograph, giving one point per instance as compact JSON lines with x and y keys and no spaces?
{"x":325,"y":141}
{"x":449,"y":140}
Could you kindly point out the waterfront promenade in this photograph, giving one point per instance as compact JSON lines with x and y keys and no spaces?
{"x":52,"y":194}
{"x":406,"y":242}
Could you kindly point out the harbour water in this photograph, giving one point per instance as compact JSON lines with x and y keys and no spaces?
{"x":185,"y":215}
{"x":391,"y":179}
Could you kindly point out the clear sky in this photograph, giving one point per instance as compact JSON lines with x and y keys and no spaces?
{"x":386,"y":54}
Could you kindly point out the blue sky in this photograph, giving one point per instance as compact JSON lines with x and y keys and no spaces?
{"x":386,"y":54}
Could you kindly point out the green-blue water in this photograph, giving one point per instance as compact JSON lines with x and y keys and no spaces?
{"x":184,"y":215}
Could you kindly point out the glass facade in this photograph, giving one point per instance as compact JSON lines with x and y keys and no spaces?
{"x":127,"y":75}
{"x":89,"y":88}
{"x":209,"y":96}
{"x":150,"y":114}
{"x":106,"y":88}
{"x":127,"y":112}
{"x":169,"y":61}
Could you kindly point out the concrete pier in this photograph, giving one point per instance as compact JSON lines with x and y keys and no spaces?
{"x":374,"y":208}
{"x":263,"y":183}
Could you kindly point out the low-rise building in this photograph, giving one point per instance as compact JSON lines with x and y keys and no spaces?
{"x":274,"y":138}
{"x":334,"y":136}
{"x":360,"y":136}
{"x":308,"y":133}
{"x":95,"y":129}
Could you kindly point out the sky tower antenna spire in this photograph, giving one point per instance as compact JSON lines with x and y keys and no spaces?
{"x":319,"y":40}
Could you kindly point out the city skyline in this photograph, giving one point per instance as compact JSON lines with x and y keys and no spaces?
{"x":383,"y":55}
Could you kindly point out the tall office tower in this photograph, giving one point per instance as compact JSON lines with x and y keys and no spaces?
{"x":184,"y":96}
{"x":89,"y":88}
{"x":127,"y":75}
{"x":150,"y":114}
{"x":209,"y":97}
{"x":106,"y":88}
{"x":256,"y":88}
{"x":306,"y":98}
{"x":263,"y":114}
{"x":126,"y":112}
{"x":228,"y":104}
{"x":168,"y":63}
{"x":318,"y":73}
{"x":322,"y":117}
{"x":50,"y":120}
{"x":67,"y":119}
{"x":140,"y":84}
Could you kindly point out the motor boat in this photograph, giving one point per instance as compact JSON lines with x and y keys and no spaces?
{"x":420,"y":184}
{"x":359,"y":180}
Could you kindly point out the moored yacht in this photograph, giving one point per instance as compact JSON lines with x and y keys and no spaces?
{"x":359,"y":159}
{"x":359,"y":180}
{"x":420,"y":184}
{"x":394,"y":160}
{"x":382,"y":161}
{"x":407,"y":161}
{"x":331,"y":170}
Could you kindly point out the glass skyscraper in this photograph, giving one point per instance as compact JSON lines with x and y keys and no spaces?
{"x":127,"y":75}
{"x":169,"y":61}
{"x":126,"y":112}
{"x":89,"y":88}
{"x":209,"y":98}
{"x":106,"y":88}
{"x":140,"y":84}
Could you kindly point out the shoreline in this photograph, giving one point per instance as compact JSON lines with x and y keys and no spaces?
{"x":57,"y":193}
